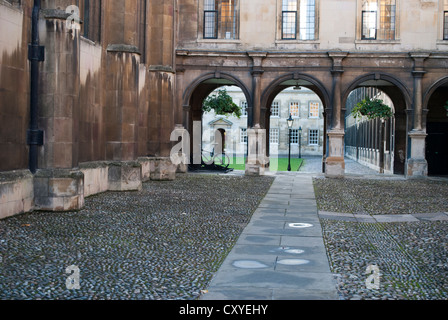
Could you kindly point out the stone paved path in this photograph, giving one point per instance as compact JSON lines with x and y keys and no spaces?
{"x":281,"y":254}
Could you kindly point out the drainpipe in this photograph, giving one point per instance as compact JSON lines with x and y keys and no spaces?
{"x":36,"y":54}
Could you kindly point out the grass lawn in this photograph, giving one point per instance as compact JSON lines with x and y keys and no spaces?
{"x":238,"y":163}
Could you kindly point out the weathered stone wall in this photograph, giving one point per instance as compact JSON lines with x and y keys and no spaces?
{"x":14,"y":85}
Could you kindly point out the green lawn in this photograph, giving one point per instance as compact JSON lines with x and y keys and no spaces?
{"x":238,"y":163}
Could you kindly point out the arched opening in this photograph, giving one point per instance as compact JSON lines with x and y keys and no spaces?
{"x":378,"y":144}
{"x":215,"y":135}
{"x":305,"y":99}
{"x":437,"y":129}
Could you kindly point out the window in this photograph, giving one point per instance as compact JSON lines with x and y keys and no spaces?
{"x":314,"y":110}
{"x":445,"y":25}
{"x":304,"y":19}
{"x":289,"y":19}
{"x":294,"y":136}
{"x":243,"y":106}
{"x":275,"y":109}
{"x":313,"y":137}
{"x":378,"y":20}
{"x":274,"y":136}
{"x":307,"y":19}
{"x":294,"y":109}
{"x":243,"y":135}
{"x":220,"y":19}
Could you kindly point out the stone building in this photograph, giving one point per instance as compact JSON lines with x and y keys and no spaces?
{"x":91,"y":91}
{"x":305,"y":108}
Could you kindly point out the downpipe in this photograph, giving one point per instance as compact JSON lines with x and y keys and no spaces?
{"x":36,"y":54}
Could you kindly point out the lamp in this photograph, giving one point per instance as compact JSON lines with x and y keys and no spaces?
{"x":290,"y":122}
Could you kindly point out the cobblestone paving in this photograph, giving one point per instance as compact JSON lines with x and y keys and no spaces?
{"x":164,"y":242}
{"x":412,"y":257}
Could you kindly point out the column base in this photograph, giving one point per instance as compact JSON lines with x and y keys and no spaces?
{"x":125,"y":176}
{"x":58,"y":190}
{"x":416,"y":168}
{"x":335,"y":167}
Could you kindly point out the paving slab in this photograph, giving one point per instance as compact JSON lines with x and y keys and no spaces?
{"x":281,"y":254}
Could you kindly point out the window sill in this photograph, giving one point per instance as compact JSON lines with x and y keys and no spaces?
{"x":296,"y":41}
{"x":221,"y":41}
{"x":377,"y":41}
{"x":442,"y":42}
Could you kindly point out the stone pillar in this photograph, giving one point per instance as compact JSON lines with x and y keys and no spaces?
{"x":256,"y":151}
{"x":335,"y":163}
{"x":122,"y":102}
{"x":58,"y":184}
{"x":417,"y":165}
{"x":257,"y":72}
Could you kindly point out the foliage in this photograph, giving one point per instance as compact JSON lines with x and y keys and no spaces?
{"x":372,"y":109}
{"x":446,"y":106}
{"x":222,"y":103}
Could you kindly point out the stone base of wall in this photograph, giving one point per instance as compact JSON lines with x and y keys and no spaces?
{"x":96,"y":177}
{"x":58,"y":190}
{"x":65,"y":190}
{"x":158,"y":168}
{"x":125,"y":176}
{"x":16,"y":193}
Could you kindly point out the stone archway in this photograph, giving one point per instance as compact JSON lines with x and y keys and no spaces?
{"x":437,"y":127}
{"x":295,"y":80}
{"x":193,"y":98}
{"x":401,"y":99}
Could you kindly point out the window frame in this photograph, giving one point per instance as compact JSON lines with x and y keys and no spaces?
{"x":445,"y":25}
{"x":244,"y":108}
{"x":294,"y":136}
{"x":301,"y":32}
{"x":309,"y":110}
{"x":219,"y":33}
{"x":276,"y":135}
{"x":243,"y":136}
{"x":298,"y":109}
{"x":386,"y":20}
{"x":315,"y":137}
{"x":277,"y":107}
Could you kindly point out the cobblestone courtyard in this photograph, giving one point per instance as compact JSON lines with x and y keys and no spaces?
{"x":167,"y":241}
{"x":412,"y":257}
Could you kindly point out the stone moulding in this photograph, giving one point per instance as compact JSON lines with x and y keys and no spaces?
{"x":123,"y":48}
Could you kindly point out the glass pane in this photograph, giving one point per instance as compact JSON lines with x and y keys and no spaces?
{"x":369,"y":25}
{"x":228,"y":19}
{"x":210,"y":24}
{"x":289,"y":5}
{"x":210,"y":5}
{"x":445,"y":26}
{"x":289,"y":29}
{"x":307,"y":19}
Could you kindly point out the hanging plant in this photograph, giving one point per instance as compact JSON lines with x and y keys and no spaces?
{"x":446,"y":108}
{"x":221,"y":102}
{"x":372,"y":109}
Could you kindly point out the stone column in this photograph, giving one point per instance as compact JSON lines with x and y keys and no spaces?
{"x":335,"y":163}
{"x":257,"y":72}
{"x":58,"y":184}
{"x":256,"y":135}
{"x":417,"y":165}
